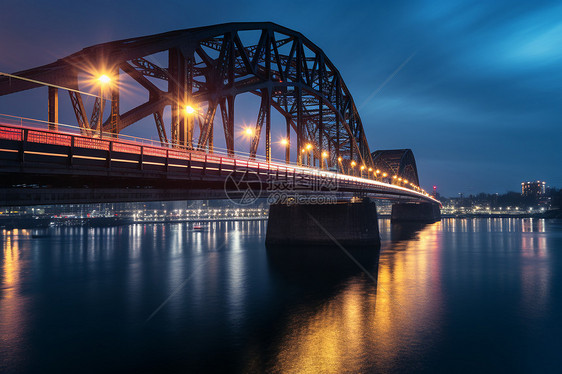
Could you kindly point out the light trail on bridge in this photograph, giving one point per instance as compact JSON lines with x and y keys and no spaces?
{"x":141,"y":154}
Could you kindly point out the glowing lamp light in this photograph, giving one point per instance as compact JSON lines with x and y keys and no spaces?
{"x":324,"y":154}
{"x":189,"y":109}
{"x":353,"y":163}
{"x":104,"y":79}
{"x":377,"y":171}
{"x":362,"y":167}
{"x":249,"y":131}
{"x":406,"y":181}
{"x":384,"y":175}
{"x":340,"y":159}
{"x":284,"y":141}
{"x":370,"y":169}
{"x":309,"y":146}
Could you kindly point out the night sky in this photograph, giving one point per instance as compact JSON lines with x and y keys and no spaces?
{"x":475,"y":89}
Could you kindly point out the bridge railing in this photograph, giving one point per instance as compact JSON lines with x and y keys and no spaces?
{"x":31,"y":123}
{"x":36,"y":131}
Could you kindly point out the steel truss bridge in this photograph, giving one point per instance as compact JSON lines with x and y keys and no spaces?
{"x":197,"y":73}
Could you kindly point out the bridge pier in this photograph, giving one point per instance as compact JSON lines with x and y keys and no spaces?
{"x":415,"y":212}
{"x":349,"y":224}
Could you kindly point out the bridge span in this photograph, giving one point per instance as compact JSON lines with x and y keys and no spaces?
{"x":194,"y":74}
{"x":41,"y":166}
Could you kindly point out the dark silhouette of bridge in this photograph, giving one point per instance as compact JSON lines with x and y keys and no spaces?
{"x":198,"y":73}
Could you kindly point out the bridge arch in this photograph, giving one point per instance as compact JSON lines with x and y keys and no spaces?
{"x":207,"y":68}
{"x":397,"y":162}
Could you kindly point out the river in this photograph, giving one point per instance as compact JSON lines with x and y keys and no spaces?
{"x":460,"y":295}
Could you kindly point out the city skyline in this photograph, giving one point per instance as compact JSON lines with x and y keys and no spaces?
{"x":470,"y":88}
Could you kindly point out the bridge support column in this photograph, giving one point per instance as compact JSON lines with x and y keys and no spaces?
{"x":350,"y":224}
{"x":53,"y":108}
{"x":416,"y":212}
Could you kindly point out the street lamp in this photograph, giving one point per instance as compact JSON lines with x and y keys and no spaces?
{"x":285,"y":142}
{"x":324,"y":156}
{"x":308,"y":148}
{"x":103,"y":80}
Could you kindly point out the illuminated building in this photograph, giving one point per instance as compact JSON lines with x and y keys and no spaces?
{"x":536,"y":189}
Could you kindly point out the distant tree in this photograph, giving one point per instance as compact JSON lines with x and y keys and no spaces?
{"x":556,"y":197}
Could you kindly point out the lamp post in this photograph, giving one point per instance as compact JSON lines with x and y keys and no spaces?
{"x":104,"y":80}
{"x":324,"y":157}
{"x":189,"y":112}
{"x":285,"y":143}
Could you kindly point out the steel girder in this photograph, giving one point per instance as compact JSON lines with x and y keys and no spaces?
{"x":208,"y":67}
{"x":399,"y":162}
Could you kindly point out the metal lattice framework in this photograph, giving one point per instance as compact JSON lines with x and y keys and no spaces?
{"x":207,"y":68}
{"x":397,"y":162}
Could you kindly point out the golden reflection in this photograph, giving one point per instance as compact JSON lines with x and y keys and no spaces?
{"x":11,"y":303}
{"x":332,"y":340}
{"x":362,"y":318}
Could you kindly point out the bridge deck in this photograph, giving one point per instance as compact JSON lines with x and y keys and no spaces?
{"x":58,"y":167}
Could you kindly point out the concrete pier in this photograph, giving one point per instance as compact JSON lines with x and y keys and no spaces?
{"x":350,"y":224}
{"x":415,"y":212}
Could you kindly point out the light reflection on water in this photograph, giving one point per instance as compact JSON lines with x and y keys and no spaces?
{"x":450,"y":296}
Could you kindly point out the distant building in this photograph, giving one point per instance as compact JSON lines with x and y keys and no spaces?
{"x":536,"y":189}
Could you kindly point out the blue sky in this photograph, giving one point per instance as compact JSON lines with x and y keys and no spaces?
{"x":474,"y":88}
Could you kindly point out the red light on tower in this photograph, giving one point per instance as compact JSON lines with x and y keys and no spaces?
{"x":434,"y":188}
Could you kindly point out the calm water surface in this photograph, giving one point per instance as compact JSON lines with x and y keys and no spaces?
{"x":470,"y":295}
